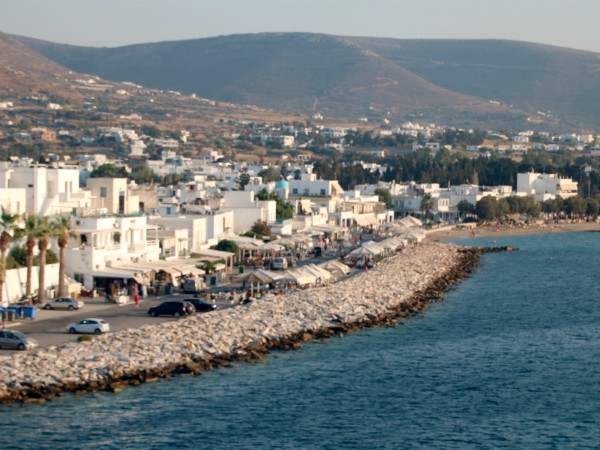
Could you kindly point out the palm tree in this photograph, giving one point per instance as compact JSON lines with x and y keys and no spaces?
{"x":44,"y":232}
{"x":7,"y":227}
{"x":29,"y":230}
{"x":62,"y":225}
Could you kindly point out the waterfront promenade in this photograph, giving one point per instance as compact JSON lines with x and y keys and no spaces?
{"x":393,"y":289}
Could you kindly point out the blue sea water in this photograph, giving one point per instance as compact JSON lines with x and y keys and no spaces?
{"x":510,"y":360}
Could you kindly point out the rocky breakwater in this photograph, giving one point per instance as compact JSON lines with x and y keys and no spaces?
{"x":396,"y":288}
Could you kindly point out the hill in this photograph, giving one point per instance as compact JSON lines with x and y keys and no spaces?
{"x":293,"y":72}
{"x":457,"y":82}
{"x":24,"y":72}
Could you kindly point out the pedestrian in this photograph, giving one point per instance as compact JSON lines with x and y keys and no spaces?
{"x":136,"y":295}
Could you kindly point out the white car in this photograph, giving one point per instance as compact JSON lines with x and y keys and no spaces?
{"x":64,"y":303}
{"x":95,"y":326}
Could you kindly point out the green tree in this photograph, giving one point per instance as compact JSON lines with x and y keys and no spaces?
{"x":243,"y":180}
{"x":385,"y":196}
{"x":227,"y":245}
{"x":283,"y":210}
{"x":144,"y":175}
{"x":530,"y":206}
{"x":109,"y":171}
{"x":465,"y":208}
{"x":150,"y":130}
{"x":487,"y":208}
{"x":576,"y":206}
{"x":593,"y":208}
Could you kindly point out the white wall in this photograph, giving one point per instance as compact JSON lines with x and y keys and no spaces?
{"x":14,"y":287}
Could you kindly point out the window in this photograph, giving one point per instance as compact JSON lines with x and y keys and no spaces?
{"x":323,"y":191}
{"x":295,"y":191}
{"x":103,"y":193}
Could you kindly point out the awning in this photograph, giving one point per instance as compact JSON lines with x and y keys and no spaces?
{"x":215,"y":253}
{"x":113,"y":272}
{"x":366,"y":220}
{"x":173,"y":271}
{"x":187,"y":270}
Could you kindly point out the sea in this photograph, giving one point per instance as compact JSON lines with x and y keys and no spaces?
{"x":511,"y":360}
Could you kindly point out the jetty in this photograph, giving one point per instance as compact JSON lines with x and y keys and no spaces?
{"x":396,"y":289}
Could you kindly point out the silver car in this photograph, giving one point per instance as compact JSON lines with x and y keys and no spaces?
{"x":17,"y":340}
{"x":64,"y":303}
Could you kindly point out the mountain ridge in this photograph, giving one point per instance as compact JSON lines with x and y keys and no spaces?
{"x":454,"y":81}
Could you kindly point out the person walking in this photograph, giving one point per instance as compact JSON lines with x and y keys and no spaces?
{"x":136,"y":296}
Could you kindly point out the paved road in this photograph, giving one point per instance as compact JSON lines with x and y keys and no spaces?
{"x":49,"y":327}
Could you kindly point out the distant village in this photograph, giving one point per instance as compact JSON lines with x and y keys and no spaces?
{"x":124,"y":230}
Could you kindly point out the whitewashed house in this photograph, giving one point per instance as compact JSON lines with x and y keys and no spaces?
{"x":546,"y":186}
{"x":48,"y":190}
{"x":106,"y":243}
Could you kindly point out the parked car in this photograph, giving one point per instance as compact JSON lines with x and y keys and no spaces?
{"x":17,"y":340}
{"x":172,"y":308}
{"x":201,"y":305}
{"x":92,"y":325}
{"x":279,"y":263}
{"x":64,"y":303}
{"x":193,"y":285}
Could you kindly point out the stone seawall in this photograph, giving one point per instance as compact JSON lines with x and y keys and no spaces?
{"x":395,"y":289}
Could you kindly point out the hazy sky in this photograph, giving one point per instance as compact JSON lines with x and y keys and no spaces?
{"x":111,"y":23}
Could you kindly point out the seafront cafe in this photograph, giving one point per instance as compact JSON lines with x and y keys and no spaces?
{"x":116,"y":283}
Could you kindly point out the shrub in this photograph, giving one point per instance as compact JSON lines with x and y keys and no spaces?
{"x":84,"y":338}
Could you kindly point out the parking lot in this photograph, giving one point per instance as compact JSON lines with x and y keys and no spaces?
{"x":49,"y":326}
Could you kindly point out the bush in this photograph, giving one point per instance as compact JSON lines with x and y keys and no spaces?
{"x":84,"y":338}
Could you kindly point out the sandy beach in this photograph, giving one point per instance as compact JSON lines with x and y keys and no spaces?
{"x":487,"y":231}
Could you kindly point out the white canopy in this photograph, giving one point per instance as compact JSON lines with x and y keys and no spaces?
{"x":271,"y":247}
{"x":370,"y":250}
{"x":333,"y":266}
{"x":302,"y":277}
{"x":323,"y":274}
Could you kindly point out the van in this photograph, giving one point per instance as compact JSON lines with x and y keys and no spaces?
{"x":193,"y":285}
{"x":279,"y":263}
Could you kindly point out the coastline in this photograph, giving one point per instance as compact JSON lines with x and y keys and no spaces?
{"x":397,"y":288}
{"x":490,"y":231}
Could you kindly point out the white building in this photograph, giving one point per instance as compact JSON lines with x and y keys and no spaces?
{"x":167,"y":143}
{"x":137,"y":147}
{"x":105,"y":243}
{"x":48,"y":190}
{"x":196,"y":226}
{"x":546,"y":186}
{"x":111,"y":195}
{"x":309,"y":186}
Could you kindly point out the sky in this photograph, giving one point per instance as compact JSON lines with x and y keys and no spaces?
{"x":112,"y":23}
